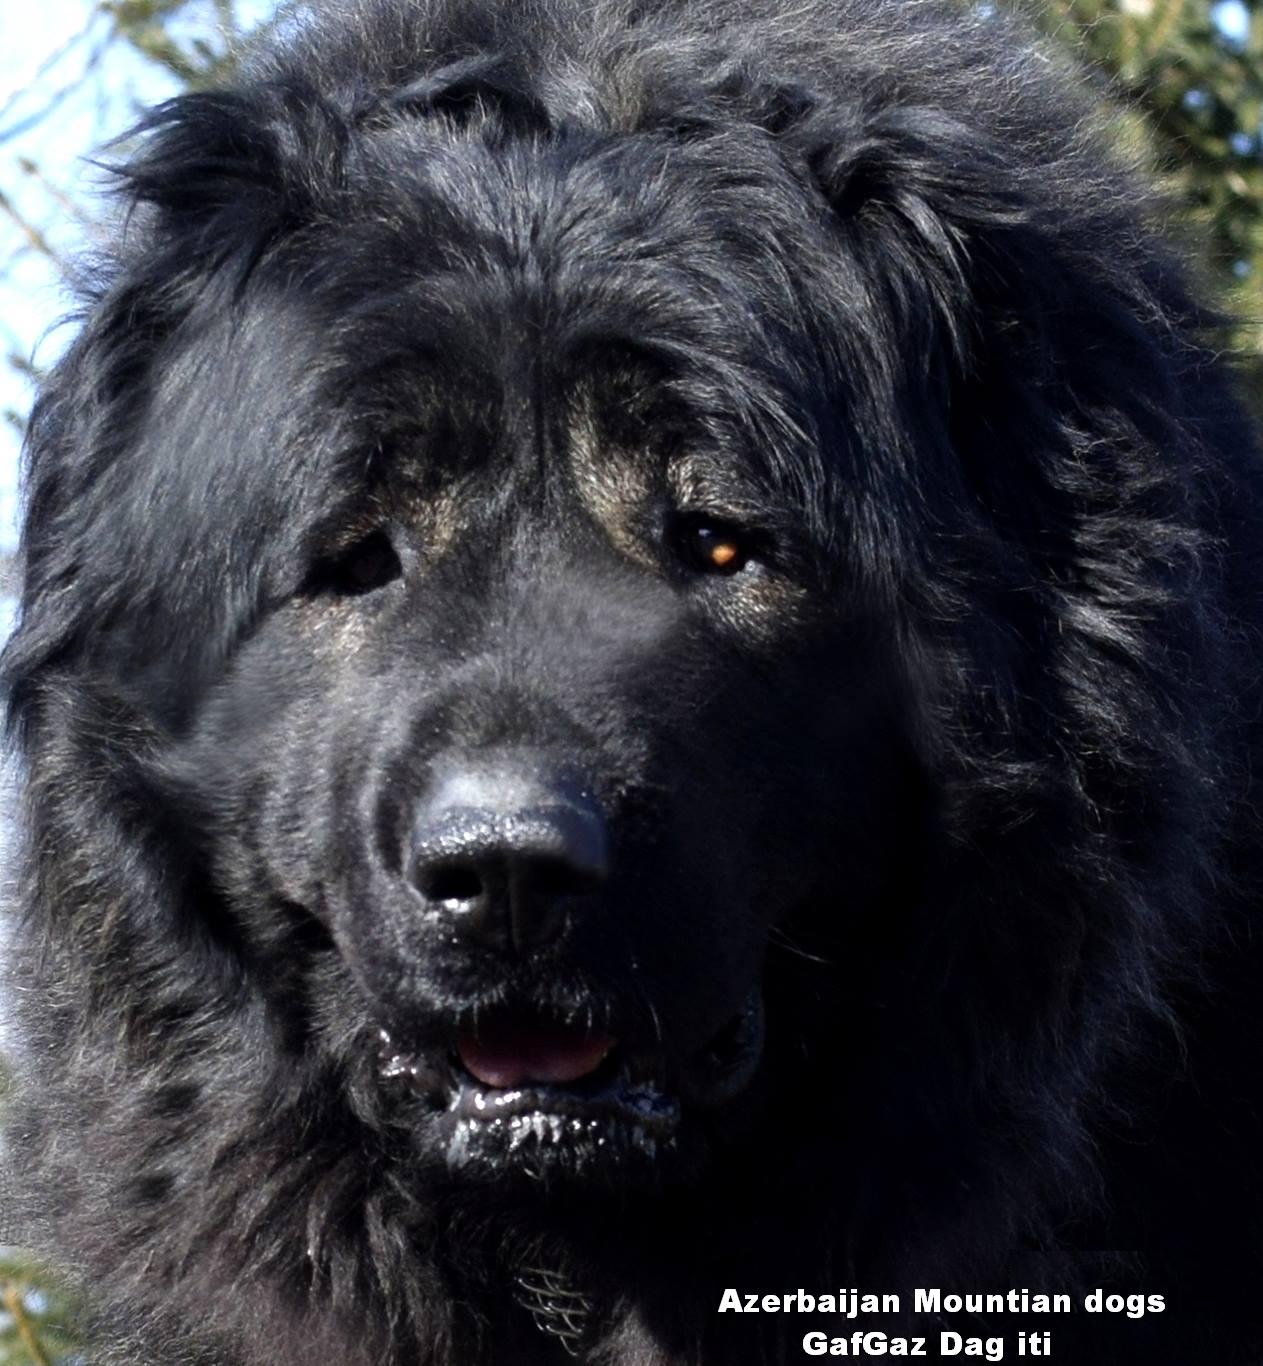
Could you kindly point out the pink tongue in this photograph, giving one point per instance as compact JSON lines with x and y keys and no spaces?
{"x":508,"y":1051}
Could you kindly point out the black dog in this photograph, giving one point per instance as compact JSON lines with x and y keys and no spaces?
{"x":638,"y":677}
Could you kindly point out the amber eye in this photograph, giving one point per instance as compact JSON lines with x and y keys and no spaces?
{"x":713,"y":547}
{"x":368,"y":564}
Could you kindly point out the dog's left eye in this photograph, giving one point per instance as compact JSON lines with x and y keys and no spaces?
{"x":370,"y":563}
{"x":714,"y":547}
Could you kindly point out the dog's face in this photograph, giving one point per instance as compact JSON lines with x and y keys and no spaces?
{"x":557,"y":709}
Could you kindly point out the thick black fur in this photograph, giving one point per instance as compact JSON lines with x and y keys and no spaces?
{"x":420,"y":353}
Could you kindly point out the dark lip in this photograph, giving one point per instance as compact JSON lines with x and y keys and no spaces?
{"x":593,"y":1125}
{"x":621,"y":1123}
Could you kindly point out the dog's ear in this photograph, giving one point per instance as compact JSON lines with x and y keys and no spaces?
{"x":933,"y":211}
{"x":906,"y":159}
{"x":974,"y":247}
{"x":221,"y":167}
{"x":212,"y":180}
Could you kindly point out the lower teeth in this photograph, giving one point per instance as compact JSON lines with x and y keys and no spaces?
{"x":543,"y":1130}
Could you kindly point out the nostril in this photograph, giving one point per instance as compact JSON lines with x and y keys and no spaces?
{"x":450,"y":882}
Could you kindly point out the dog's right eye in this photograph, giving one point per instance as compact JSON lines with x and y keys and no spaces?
{"x":363,"y":567}
{"x":713,"y":547}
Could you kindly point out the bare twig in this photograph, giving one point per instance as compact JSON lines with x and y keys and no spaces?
{"x":22,"y":1321}
{"x":34,"y":237}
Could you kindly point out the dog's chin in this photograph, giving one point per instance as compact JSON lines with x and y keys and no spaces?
{"x":525,"y":1096}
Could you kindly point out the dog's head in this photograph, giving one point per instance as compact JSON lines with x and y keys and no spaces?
{"x":593,"y":558}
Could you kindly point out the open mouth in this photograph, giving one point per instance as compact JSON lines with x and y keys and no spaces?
{"x":525,"y":1085}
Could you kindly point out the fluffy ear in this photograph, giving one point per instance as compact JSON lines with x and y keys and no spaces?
{"x":214,"y":179}
{"x":1044,"y":312}
{"x":225,"y":167}
{"x":919,"y":196}
{"x":221,"y":168}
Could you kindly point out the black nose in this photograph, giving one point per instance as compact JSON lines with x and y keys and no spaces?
{"x":504,"y":852}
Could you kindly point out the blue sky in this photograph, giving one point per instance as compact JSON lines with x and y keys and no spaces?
{"x":1234,"y":20}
